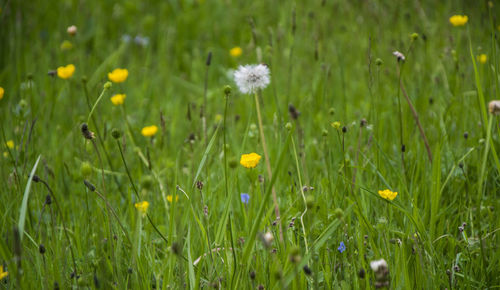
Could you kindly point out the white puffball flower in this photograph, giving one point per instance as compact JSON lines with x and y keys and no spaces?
{"x":71,"y":30}
{"x":378,"y":265}
{"x":267,"y":239}
{"x":399,"y":55}
{"x":250,"y":78}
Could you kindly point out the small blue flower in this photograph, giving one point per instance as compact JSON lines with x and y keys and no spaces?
{"x":245,"y":197}
{"x":341,"y":247}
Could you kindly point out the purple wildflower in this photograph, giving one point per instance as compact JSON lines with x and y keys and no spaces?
{"x":341,"y":247}
{"x":245,"y":197}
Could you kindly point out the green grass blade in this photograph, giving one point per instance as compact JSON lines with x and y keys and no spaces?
{"x":192,"y":280}
{"x":204,"y":158}
{"x":24,"y":204}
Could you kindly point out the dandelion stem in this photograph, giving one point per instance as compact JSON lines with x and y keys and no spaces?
{"x":268,"y":164}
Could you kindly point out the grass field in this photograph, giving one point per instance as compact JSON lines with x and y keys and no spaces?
{"x":362,"y":153}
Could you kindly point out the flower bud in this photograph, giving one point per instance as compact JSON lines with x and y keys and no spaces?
{"x":89,"y":185}
{"x":338,"y":213}
{"x":85,"y":169}
{"x":310,"y":201}
{"x":494,"y":107}
{"x":116,"y":133}
{"x":147,"y":181}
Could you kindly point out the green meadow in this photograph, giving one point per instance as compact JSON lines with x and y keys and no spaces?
{"x":189,"y":144}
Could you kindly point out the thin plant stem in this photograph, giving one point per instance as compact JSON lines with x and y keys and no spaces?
{"x":97,"y":102}
{"x":205,"y":102}
{"x":268,"y":164}
{"x":225,"y":146}
{"x":114,"y":214}
{"x":227,"y":187}
{"x":356,"y":160}
{"x":99,"y":137}
{"x":417,"y":120}
{"x":129,"y":129}
{"x":401,"y":122}
{"x":136,"y":192}
{"x":303,"y":196}
{"x":100,"y":162}
{"x":62,"y":221}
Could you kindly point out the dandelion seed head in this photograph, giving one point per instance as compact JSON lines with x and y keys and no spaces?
{"x":250,"y":78}
{"x":378,"y":265}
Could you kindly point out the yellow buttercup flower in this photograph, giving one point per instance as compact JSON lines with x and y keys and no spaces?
{"x":250,"y":160}
{"x":118,"y":75}
{"x":2,"y":91}
{"x":2,"y":273}
{"x":118,"y":99}
{"x":459,"y":20}
{"x":10,"y":144}
{"x":149,"y":131}
{"x":235,"y":51}
{"x":170,"y":198}
{"x":65,"y":72}
{"x":336,"y":125}
{"x":218,"y":118}
{"x":482,"y":58}
{"x":142,"y":207}
{"x":387,"y":194}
